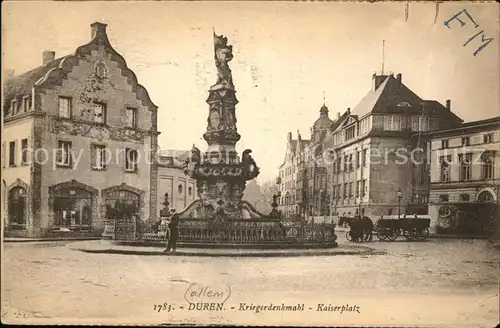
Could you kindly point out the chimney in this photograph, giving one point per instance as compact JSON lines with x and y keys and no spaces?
{"x":289,"y":137}
{"x":448,"y":104}
{"x":48,"y":56}
{"x":400,"y":78}
{"x":98,"y":29}
{"x":338,"y":115}
{"x":348,"y":110}
{"x":378,"y":80}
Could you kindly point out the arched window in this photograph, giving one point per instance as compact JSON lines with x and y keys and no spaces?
{"x":17,"y":207}
{"x":485,"y":197}
{"x":180,"y":189}
{"x":72,"y":207}
{"x":487,"y":165}
{"x":445,"y":168}
{"x":121,"y":203}
{"x":465,"y":167}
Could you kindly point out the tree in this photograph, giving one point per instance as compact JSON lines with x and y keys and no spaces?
{"x":260,"y":196}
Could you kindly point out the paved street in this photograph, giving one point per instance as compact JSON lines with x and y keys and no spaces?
{"x":440,"y":282}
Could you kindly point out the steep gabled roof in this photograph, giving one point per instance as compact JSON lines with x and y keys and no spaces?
{"x":303,"y":144}
{"x":22,"y":84}
{"x":55,"y":71}
{"x":386,"y":98}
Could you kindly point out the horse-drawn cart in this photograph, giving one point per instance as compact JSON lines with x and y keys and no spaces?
{"x":411,"y":229}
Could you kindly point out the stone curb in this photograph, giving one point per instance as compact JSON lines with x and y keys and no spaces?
{"x":32,"y":240}
{"x":361,"y":250}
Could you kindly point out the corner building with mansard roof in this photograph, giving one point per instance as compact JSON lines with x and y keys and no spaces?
{"x":379,"y":154}
{"x":356,"y":163}
{"x":79,"y":137}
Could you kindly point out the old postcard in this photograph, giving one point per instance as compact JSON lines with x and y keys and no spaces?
{"x":251,"y":163}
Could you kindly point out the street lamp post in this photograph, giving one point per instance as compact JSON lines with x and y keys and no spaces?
{"x":400,"y":194}
{"x":359,"y":207}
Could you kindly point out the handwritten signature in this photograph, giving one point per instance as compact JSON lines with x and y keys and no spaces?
{"x":466,"y":14}
{"x":200,"y":293}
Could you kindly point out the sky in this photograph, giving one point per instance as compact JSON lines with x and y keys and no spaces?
{"x":288,"y":57}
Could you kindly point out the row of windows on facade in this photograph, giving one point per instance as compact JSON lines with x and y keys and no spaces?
{"x":391,"y":123}
{"x":64,"y":155}
{"x":487,"y":138}
{"x":465,"y":167}
{"x":347,"y":189}
{"x":21,"y":105}
{"x":348,"y":163}
{"x":99,"y":112}
{"x":462,"y":197}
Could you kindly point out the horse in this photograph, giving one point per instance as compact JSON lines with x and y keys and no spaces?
{"x":359,"y":228}
{"x":344,"y":220}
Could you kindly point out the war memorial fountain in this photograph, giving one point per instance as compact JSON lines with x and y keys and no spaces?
{"x":220,"y":218}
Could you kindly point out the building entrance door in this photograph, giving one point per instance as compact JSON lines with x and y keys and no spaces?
{"x":73,"y":209}
{"x":17,"y":208}
{"x":122,"y":203}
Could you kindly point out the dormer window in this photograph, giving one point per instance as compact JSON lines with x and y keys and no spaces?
{"x":27,"y":103}
{"x":404,"y":104}
{"x":13,"y":107}
{"x":101,"y":70}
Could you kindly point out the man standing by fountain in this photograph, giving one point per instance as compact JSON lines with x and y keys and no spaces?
{"x":174,"y":233}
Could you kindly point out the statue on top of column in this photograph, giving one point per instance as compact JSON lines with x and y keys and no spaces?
{"x":223,"y":55}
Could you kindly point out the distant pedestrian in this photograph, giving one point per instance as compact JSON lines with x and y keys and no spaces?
{"x":174,"y":232}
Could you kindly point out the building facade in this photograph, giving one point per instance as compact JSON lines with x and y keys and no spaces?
{"x":179,"y":189}
{"x":465,"y":178}
{"x":80,"y":135}
{"x":368,"y":154}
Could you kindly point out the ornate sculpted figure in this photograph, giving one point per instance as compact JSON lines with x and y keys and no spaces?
{"x":192,"y":161}
{"x":214,"y":119}
{"x":223,"y":55}
{"x":250,"y":169}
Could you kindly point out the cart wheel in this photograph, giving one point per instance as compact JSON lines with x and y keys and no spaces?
{"x":423,"y":234}
{"x":382,"y":235}
{"x":348,"y":235}
{"x":393,"y":235}
{"x":411,"y":234}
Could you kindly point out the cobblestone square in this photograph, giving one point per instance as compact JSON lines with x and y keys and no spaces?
{"x":440,"y":282}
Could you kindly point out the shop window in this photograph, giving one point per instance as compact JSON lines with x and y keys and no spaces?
{"x":17,"y":207}
{"x":72,"y":208}
{"x":121,"y":203}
